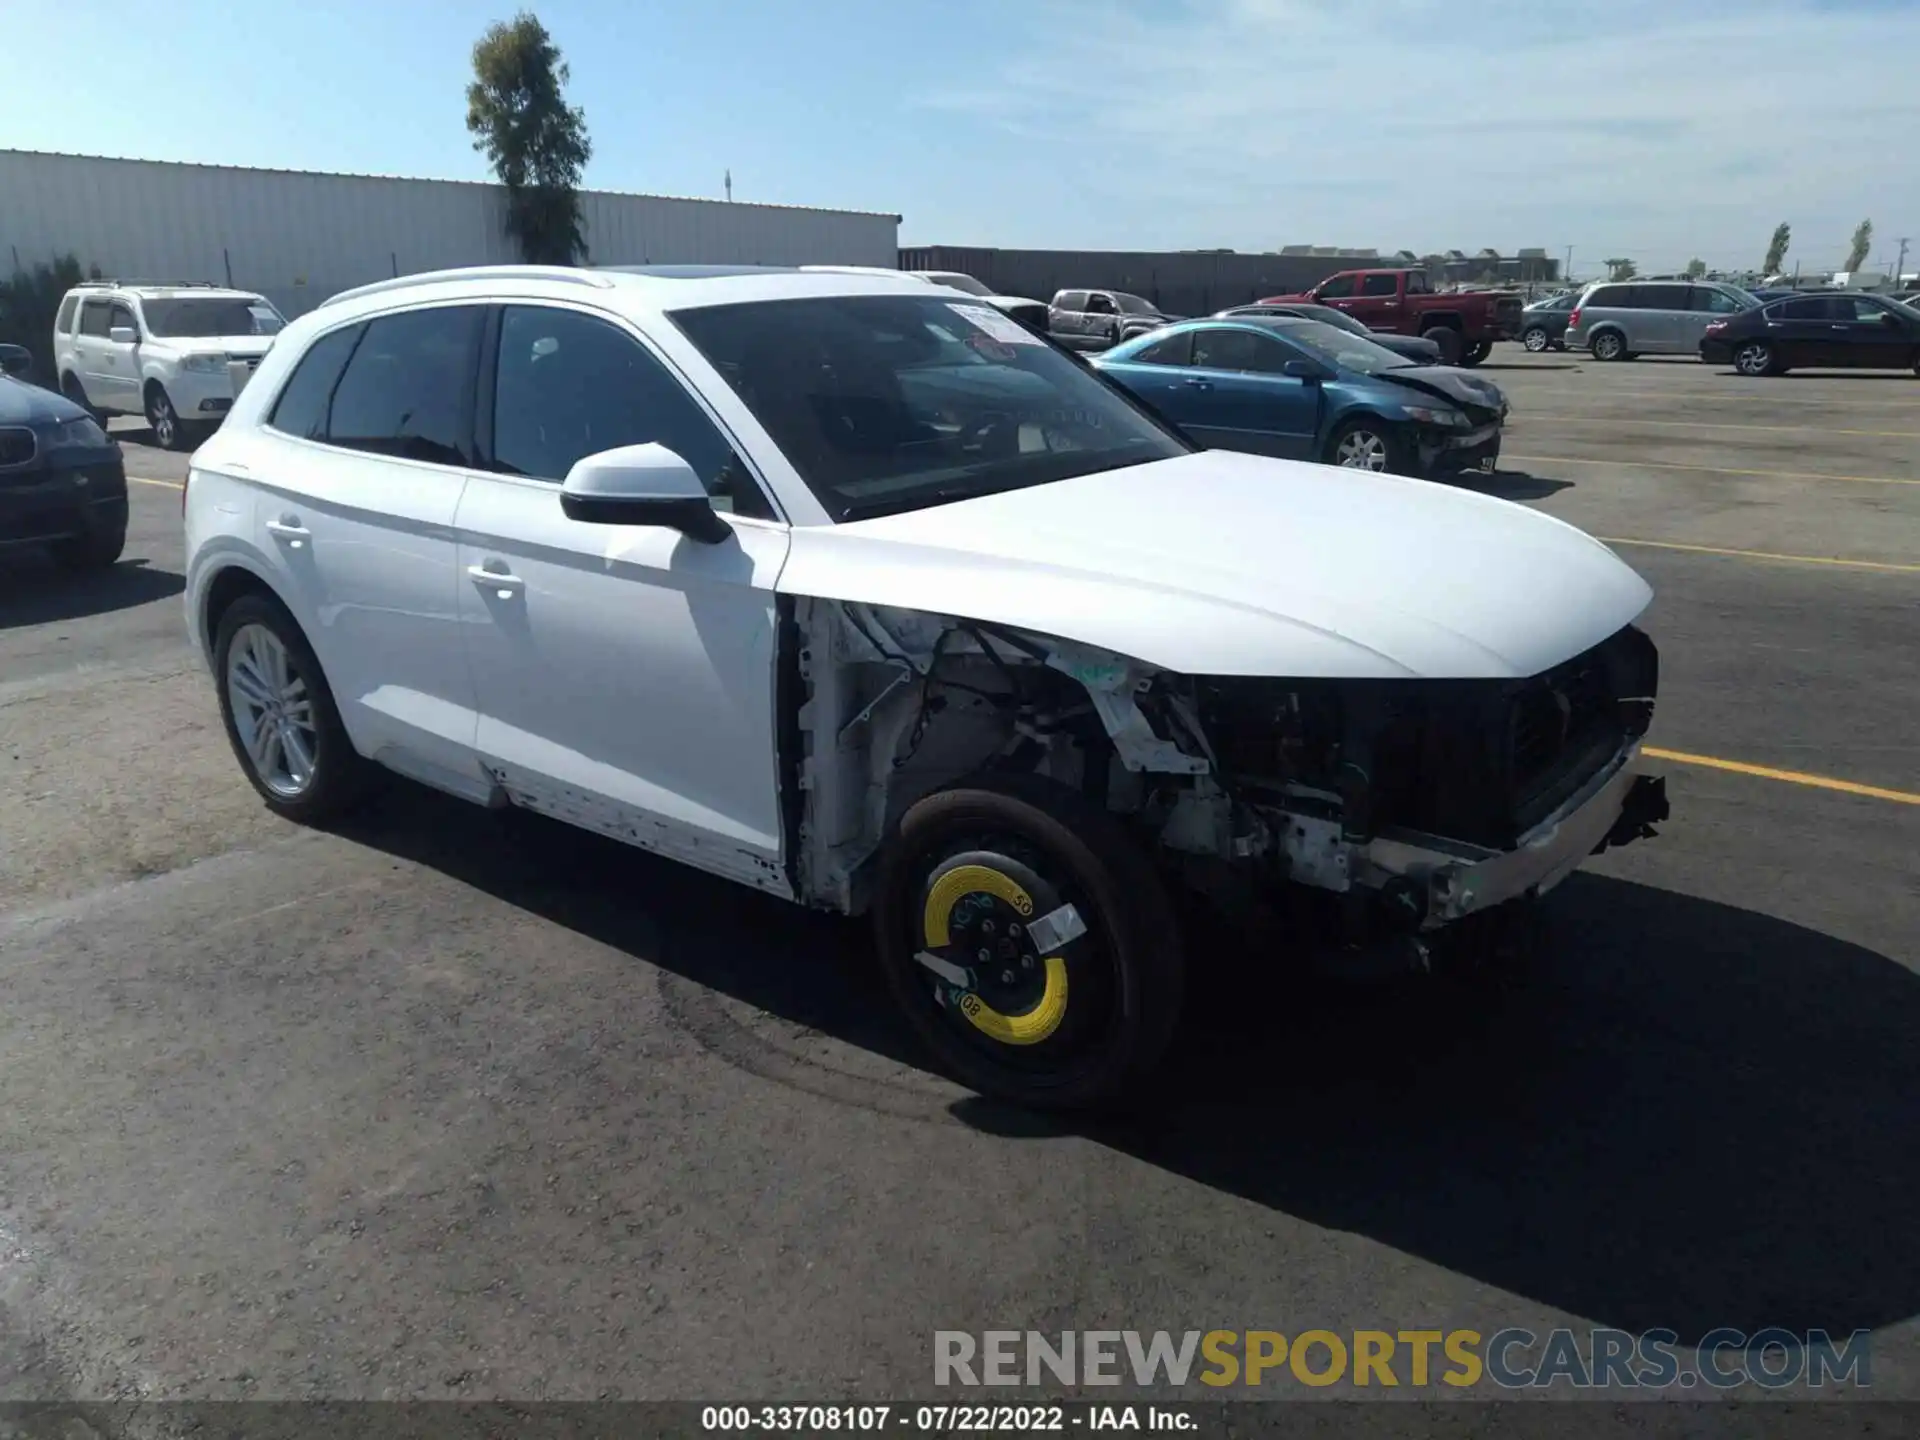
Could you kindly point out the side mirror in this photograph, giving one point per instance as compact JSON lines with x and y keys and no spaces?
{"x":15,"y":359}
{"x":642,"y":485}
{"x":124,"y":335}
{"x":1304,"y":370}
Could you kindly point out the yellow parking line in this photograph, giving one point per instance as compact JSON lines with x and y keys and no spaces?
{"x":1710,"y":425}
{"x":163,"y":484}
{"x":1764,"y":555}
{"x":1790,"y":777}
{"x":1714,"y":469}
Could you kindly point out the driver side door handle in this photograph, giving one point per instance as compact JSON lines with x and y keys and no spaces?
{"x":1198,"y":384}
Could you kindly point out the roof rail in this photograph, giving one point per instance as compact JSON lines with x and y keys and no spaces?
{"x":563,"y":273}
{"x":149,"y":285}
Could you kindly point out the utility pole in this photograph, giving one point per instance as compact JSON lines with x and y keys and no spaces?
{"x":1566,"y":274}
{"x":729,"y":183}
{"x":1900,"y":265}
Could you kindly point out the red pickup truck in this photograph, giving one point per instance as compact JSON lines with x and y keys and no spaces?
{"x":1464,"y":324}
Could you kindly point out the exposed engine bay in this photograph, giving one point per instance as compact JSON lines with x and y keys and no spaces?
{"x":1411,"y":803}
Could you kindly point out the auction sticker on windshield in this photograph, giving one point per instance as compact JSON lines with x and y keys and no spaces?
{"x":999,"y":326}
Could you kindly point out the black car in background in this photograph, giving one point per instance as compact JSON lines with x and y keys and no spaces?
{"x":1413,"y":347}
{"x":1830,"y":331}
{"x":63,"y":484}
{"x":1543,"y":324}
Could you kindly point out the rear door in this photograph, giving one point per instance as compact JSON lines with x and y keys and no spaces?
{"x":90,"y":352}
{"x":1802,"y":330}
{"x":1660,"y":322}
{"x":1378,"y":305}
{"x":1102,"y":318}
{"x":356,"y":509}
{"x":1240,"y":398}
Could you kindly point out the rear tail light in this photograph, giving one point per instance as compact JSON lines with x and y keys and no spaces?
{"x":1573,"y":317}
{"x":1714,"y":325}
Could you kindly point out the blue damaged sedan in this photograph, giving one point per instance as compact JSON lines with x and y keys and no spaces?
{"x":1303,"y":390}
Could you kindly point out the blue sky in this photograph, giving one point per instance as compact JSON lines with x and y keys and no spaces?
{"x":1657,"y":130}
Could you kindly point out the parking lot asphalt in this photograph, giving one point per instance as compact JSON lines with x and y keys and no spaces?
{"x":443,"y":1106}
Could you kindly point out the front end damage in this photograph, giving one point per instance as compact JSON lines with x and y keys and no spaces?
{"x":1397,"y":809}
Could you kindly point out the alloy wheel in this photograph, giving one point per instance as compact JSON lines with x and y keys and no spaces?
{"x":164,"y":422}
{"x":1361,"y":450}
{"x":1536,"y":340}
{"x":272,"y":712}
{"x":1753,"y":358}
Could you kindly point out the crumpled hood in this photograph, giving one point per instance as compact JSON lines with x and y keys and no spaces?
{"x":1453,"y":383}
{"x":24,"y":404}
{"x":1226,"y":564}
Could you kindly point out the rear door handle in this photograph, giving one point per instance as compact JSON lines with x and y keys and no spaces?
{"x":290,"y":530}
{"x":503,"y":582}
{"x":1201,"y":384}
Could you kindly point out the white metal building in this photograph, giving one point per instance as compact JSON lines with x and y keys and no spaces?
{"x":299,"y":236}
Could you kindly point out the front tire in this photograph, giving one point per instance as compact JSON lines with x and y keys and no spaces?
{"x":280,"y":716}
{"x":1535,"y":339}
{"x":1068,"y":1014}
{"x":169,"y":430}
{"x":1756,"y":358}
{"x":1367,"y":444}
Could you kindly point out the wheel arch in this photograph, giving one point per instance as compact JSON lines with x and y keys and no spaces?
{"x":231,"y":579}
{"x":1345,"y":419}
{"x":1443,"y":320}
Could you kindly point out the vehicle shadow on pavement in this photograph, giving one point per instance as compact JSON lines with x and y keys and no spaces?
{"x":35,"y":591}
{"x":1681,"y":1114}
{"x":1513,"y":485}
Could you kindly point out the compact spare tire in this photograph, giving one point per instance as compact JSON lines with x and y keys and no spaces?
{"x":1028,"y":942}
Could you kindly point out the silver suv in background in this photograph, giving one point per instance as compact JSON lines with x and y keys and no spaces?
{"x":1619,"y":320}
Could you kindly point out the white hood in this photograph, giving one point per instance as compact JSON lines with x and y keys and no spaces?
{"x":1229,"y":564}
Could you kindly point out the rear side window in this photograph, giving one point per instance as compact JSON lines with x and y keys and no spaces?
{"x":1174,"y":350}
{"x":569,"y":385}
{"x":1070,"y":300}
{"x":1380,"y":285}
{"x":302,"y":407}
{"x":1661,"y":297}
{"x":1235,"y":350}
{"x":408,"y":389}
{"x":93,"y":318}
{"x":1813,"y":307}
{"x":64,"y":321}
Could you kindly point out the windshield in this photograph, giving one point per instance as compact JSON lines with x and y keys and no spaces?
{"x":885,"y":403}
{"x":209,"y":317}
{"x":1337,"y":347}
{"x":1133,"y":304}
{"x":954,"y":281}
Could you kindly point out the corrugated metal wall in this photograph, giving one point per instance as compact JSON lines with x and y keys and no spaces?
{"x":299,"y":237}
{"x":1180,"y":282}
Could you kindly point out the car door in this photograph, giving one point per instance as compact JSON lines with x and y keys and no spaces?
{"x":1801,"y":330}
{"x":625,"y":674}
{"x":90,"y":353}
{"x":1705,"y":304}
{"x":1240,"y":400}
{"x":1065,"y":316}
{"x":1867,"y":334}
{"x":120,"y":359}
{"x":1101,"y":321}
{"x":1339,"y":292}
{"x":1378,"y":305}
{"x":355,"y":511}
{"x":1661,"y":320}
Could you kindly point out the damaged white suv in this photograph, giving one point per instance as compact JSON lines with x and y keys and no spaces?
{"x":862,"y":594}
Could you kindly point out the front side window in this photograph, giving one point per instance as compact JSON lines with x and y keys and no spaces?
{"x":1859,"y":308}
{"x":121,"y":315}
{"x":1100,"y":305}
{"x":1380,"y":285}
{"x":568,"y":385}
{"x":302,"y":407}
{"x":210,"y":317}
{"x":885,"y":403}
{"x":1338,"y":288}
{"x":1234,"y":349}
{"x":407,"y":391}
{"x":1715,"y":302}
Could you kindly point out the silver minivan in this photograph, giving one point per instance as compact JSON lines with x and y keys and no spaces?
{"x":1619,"y":320}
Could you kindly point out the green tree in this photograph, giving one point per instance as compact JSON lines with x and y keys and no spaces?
{"x":1696,"y":267}
{"x":537,"y":143}
{"x":1862,"y":243}
{"x":1621,"y":269}
{"x":28,"y":302}
{"x":1777,"y":249}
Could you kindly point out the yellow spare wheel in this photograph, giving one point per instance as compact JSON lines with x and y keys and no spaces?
{"x":997,"y":931}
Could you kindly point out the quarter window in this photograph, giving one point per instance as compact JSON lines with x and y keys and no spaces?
{"x":64,"y":321}
{"x":302,"y":407}
{"x":569,"y":385}
{"x":407,"y":390}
